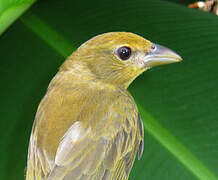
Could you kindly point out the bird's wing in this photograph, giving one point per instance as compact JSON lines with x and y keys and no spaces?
{"x":102,"y":152}
{"x":124,"y":166}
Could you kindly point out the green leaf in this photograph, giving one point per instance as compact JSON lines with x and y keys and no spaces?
{"x":178,"y":102}
{"x":10,"y":10}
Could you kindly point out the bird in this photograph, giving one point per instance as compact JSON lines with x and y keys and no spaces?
{"x":87,"y":126}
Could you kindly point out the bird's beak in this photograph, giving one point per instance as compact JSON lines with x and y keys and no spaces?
{"x":159,"y":55}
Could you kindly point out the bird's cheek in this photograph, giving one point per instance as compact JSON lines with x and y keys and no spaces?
{"x":136,"y":69}
{"x":139,"y":62}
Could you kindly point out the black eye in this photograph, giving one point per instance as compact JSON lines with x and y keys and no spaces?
{"x":153,"y":47}
{"x":124,"y":53}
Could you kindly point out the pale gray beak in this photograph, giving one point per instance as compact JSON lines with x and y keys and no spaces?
{"x":159,"y":55}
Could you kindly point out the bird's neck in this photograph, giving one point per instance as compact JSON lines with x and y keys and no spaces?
{"x":85,"y":69}
{"x":78,"y":76}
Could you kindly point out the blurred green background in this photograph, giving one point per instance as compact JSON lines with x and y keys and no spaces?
{"x":178,"y":102}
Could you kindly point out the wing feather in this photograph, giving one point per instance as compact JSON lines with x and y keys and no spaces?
{"x":102,"y":159}
{"x":96,"y":151}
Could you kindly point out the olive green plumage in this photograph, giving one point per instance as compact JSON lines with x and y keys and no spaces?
{"x":87,"y":126}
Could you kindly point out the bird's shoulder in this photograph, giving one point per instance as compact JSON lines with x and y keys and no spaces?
{"x":110,"y":133}
{"x":101,"y":108}
{"x":105,"y":120}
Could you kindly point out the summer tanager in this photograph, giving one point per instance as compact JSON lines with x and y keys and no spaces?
{"x":87,"y":126}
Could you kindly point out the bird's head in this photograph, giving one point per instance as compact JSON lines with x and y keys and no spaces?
{"x":119,"y":57}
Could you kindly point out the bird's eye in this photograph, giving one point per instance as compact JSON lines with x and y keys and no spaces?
{"x":124,"y":53}
{"x":153,"y":47}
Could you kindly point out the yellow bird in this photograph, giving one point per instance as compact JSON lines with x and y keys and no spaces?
{"x":87,"y":126}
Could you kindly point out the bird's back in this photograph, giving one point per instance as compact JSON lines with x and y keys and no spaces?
{"x":81,"y":132}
